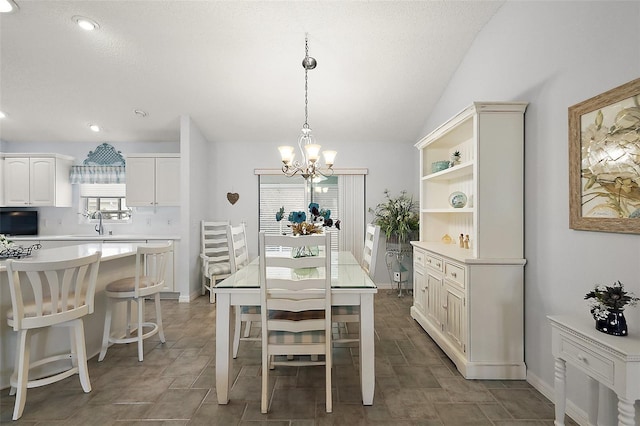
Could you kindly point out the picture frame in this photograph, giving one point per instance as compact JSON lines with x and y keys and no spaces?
{"x":604,"y":161}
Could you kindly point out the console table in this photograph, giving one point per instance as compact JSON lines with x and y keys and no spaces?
{"x":611,"y":361}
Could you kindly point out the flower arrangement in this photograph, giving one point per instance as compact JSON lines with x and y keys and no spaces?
{"x":5,"y":243}
{"x":397,"y":217}
{"x":319,"y":218}
{"x":604,"y":300}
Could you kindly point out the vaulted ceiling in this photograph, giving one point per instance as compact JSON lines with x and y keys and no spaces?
{"x":233,"y":66}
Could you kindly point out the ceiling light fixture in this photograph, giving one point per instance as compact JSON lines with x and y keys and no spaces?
{"x":8,"y":6}
{"x":140,"y":113}
{"x":309,"y":167}
{"x":94,"y":127}
{"x":3,"y":114}
{"x":85,"y":23}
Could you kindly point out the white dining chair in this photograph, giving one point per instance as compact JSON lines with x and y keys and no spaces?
{"x":239,"y":258}
{"x":295,"y":307}
{"x":148,"y":281}
{"x":345,"y":315}
{"x":214,"y":254}
{"x":50,"y":294}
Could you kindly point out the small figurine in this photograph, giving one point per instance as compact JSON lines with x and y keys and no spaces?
{"x":461,"y":241}
{"x":466,"y":241}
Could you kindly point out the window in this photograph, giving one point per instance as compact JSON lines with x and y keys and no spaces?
{"x":109,"y":199}
{"x":112,"y":208}
{"x":295,"y":194}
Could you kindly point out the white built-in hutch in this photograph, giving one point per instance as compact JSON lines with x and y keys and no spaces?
{"x":470,"y":300}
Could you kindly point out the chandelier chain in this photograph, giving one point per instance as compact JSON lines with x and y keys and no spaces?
{"x":306,"y":83}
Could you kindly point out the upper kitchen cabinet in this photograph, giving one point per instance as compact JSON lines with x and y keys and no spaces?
{"x":37,"y":180}
{"x":153,"y":180}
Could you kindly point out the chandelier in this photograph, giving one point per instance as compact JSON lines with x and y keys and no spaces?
{"x":310,"y":166}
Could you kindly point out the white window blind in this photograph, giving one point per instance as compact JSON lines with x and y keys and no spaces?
{"x":342,"y":194}
{"x":103,"y":190}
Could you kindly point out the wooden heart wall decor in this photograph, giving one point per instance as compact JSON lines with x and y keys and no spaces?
{"x":233,"y":197}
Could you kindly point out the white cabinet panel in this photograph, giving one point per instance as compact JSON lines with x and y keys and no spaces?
{"x":153,"y":181}
{"x":41,"y":180}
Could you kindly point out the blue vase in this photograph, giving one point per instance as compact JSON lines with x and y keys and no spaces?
{"x":615,"y":324}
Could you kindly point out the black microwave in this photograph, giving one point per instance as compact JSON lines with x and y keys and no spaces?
{"x":19,"y":222}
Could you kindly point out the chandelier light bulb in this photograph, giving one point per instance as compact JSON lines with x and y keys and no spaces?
{"x":329,"y":157}
{"x":286,"y":152}
{"x":313,"y":152}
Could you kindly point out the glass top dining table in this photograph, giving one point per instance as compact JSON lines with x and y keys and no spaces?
{"x":350,"y":286}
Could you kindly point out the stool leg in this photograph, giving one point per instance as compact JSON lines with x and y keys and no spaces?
{"x":81,"y":352}
{"x":74,"y":353}
{"x":107,"y":330}
{"x":129,"y":308}
{"x":159,"y":318}
{"x":140,"y":328}
{"x":22,"y":372}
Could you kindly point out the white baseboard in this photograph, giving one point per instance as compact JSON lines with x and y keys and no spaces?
{"x":572,"y":410}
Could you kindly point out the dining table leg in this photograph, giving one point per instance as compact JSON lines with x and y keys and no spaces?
{"x":367,"y":350}
{"x":223,"y":346}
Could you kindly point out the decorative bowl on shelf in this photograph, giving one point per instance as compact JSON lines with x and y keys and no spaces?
{"x":438,"y":166}
{"x":457,"y":200}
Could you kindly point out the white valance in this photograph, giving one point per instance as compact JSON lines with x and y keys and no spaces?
{"x":97,"y":174}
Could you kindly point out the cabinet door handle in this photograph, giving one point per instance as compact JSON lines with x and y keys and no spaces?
{"x":438,"y":265}
{"x":424,"y":289}
{"x":582,"y":358}
{"x":444,"y":307}
{"x":454,"y":275}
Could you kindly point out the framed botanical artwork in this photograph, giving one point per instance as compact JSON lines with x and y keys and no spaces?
{"x":604,"y":161}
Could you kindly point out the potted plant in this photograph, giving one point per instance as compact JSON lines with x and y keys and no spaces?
{"x":607,"y":304}
{"x":397,"y":217}
{"x":455,"y":158}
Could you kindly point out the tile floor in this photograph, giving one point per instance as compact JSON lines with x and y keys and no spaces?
{"x":416,"y":384}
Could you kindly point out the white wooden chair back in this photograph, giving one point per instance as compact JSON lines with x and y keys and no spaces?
{"x":49,"y":293}
{"x":370,"y":252}
{"x":238,"y":251}
{"x":214,"y":241}
{"x":151,"y":266}
{"x":214,"y":254}
{"x":295,"y":305}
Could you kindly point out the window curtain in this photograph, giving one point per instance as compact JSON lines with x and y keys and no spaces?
{"x":97,"y":174}
{"x":351,"y":191}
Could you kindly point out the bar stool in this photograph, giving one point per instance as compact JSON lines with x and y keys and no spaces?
{"x":57,"y":294}
{"x":151,"y":261}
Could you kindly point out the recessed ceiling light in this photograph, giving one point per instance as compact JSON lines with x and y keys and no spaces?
{"x":3,"y":114}
{"x":85,"y":23}
{"x":140,"y":113}
{"x":94,"y":127}
{"x":8,"y":6}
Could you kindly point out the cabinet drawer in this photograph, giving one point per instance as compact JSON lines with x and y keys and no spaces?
{"x":587,"y":360}
{"x":433,"y":262}
{"x":419,"y":258}
{"x":454,"y":273}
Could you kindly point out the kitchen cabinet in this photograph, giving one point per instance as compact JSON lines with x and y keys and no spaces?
{"x":37,"y":180}
{"x":153,"y":180}
{"x":469,"y":297}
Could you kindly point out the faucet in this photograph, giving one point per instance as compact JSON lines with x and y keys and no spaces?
{"x":99,"y":227}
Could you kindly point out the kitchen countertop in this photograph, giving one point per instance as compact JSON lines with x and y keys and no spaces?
{"x":109,"y":251}
{"x":94,"y":236}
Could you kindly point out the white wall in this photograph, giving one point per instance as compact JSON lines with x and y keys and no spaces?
{"x":554,"y":55}
{"x":194,"y":150}
{"x":231,"y":169}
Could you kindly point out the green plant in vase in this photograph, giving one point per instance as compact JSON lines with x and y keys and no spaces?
{"x":397,"y":217}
